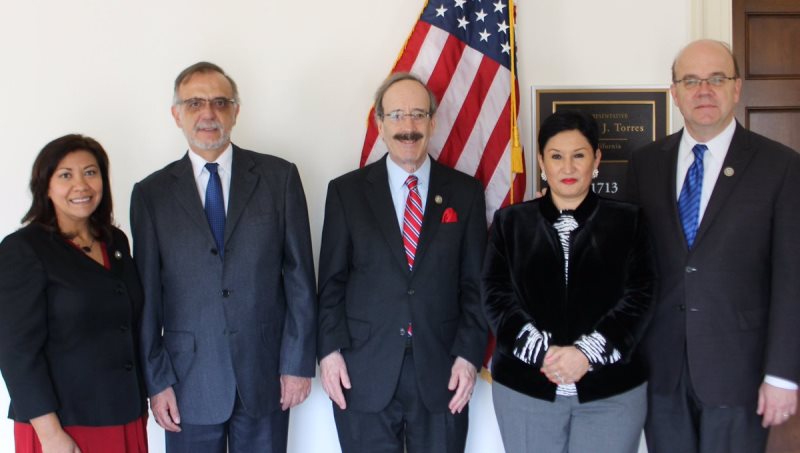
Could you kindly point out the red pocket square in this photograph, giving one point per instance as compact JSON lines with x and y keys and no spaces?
{"x":449,"y":216}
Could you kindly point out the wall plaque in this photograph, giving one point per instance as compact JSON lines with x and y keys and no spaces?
{"x":629,"y":118}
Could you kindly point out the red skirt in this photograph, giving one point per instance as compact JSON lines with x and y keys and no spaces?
{"x":128,"y":438}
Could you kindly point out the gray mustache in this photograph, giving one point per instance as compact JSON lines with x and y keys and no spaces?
{"x":408,"y":136}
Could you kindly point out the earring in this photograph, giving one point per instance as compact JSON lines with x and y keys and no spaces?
{"x":544,"y":176}
{"x":595,"y":173}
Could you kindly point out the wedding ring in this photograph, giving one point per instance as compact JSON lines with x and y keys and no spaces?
{"x":786,"y":415}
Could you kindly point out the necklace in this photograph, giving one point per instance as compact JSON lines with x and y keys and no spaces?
{"x":86,"y":248}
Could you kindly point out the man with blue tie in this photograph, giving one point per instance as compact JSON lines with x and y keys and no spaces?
{"x":222,"y":243}
{"x":723,"y":347}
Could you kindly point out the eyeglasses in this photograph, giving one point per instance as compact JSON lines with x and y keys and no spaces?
{"x":691,"y":83}
{"x":397,"y":116}
{"x":219,"y":104}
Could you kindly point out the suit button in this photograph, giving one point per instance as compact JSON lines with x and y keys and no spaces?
{"x":128,"y":366}
{"x":682,"y":307}
{"x":402,"y":332}
{"x":410,"y":292}
{"x":214,"y":252}
{"x":690,"y":269}
{"x":119,"y":289}
{"x":123,"y":329}
{"x":226,"y":293}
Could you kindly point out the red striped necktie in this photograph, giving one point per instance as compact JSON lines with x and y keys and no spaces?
{"x":412,"y":220}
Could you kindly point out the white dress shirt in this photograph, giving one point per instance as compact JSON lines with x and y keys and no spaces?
{"x":712,"y":162}
{"x":399,"y":190}
{"x":201,"y":174}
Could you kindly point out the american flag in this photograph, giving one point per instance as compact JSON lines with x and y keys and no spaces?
{"x":461,"y":48}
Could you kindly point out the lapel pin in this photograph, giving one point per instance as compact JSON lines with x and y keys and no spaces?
{"x":728,"y":171}
{"x":438,"y":199}
{"x":118,"y":255}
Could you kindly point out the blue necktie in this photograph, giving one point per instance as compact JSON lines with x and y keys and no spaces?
{"x":689,"y":200}
{"x":215,"y":207}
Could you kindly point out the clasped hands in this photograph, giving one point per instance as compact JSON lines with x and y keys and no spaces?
{"x":333,"y":371}
{"x":564,"y":365}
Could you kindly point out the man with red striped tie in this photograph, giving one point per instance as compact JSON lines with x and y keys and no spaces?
{"x":401,"y":331}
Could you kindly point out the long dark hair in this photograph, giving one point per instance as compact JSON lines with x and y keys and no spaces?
{"x":42,"y":212}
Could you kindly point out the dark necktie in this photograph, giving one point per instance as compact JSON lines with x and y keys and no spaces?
{"x":215,"y":207}
{"x":689,"y":200}
{"x":412,"y":220}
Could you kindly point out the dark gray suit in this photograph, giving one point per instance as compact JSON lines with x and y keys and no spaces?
{"x":730,"y":307}
{"x":234,"y":326}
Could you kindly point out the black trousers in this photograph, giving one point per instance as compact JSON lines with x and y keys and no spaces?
{"x":680,"y":422}
{"x":404,"y":425}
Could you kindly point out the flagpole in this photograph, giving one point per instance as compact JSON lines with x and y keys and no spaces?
{"x":516,"y":148}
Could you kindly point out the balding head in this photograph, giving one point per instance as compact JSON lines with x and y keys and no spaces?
{"x":709,"y":44}
{"x":706,"y":87}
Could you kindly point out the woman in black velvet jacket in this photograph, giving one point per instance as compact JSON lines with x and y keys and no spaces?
{"x":567,"y":286}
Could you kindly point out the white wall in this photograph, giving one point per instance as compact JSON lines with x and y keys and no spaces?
{"x":306,"y":71}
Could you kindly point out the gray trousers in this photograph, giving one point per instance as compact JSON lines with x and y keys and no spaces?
{"x":531,"y":425}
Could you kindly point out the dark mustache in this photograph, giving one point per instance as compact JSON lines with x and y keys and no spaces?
{"x":408,"y":136}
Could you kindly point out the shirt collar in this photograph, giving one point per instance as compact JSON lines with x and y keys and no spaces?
{"x":398,"y":176}
{"x":225,"y":161}
{"x":717,"y":146}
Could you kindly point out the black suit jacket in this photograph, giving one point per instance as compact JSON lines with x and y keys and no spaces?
{"x":731,"y":305}
{"x":610,"y":290}
{"x":68,"y":330}
{"x":367,"y":294}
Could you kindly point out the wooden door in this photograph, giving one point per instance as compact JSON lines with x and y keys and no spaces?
{"x":766,"y":42}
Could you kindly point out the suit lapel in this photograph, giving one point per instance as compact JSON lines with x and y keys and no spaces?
{"x":243,"y":183}
{"x":433,"y":211}
{"x":380,"y":202}
{"x":184,"y":188}
{"x":737,"y":158}
{"x":669,"y":162}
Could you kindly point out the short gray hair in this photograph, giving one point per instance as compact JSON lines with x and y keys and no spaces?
{"x":201,"y":67}
{"x":399,"y":77}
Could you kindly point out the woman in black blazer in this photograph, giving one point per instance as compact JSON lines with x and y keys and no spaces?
{"x":567,"y":287}
{"x":70,"y":300}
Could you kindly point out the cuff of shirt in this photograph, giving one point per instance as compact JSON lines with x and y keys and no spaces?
{"x":780,"y":382}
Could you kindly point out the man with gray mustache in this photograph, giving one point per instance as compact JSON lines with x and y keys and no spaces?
{"x":222,"y":243}
{"x":401,"y":329}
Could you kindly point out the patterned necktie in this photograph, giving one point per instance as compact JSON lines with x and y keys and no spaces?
{"x":689,"y":200}
{"x":412,"y":220}
{"x":215,"y":207}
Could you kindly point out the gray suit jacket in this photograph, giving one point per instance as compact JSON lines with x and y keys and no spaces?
{"x":210,"y":327}
{"x":731,"y":305}
{"x":368,"y":295}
